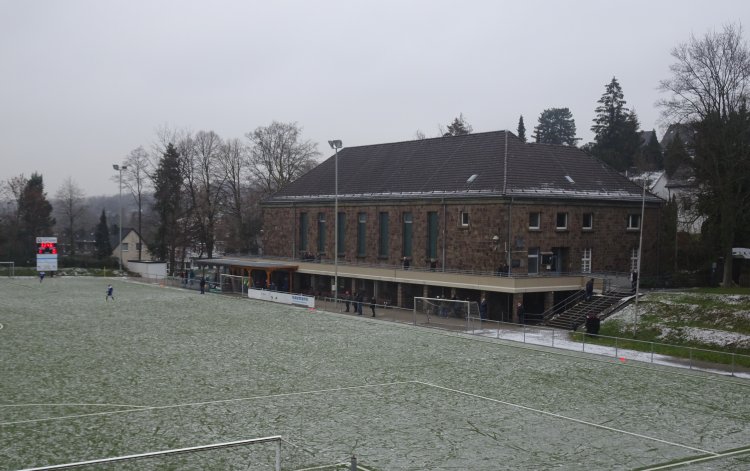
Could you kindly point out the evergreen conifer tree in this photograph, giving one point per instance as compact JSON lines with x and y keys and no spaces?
{"x":102,"y":245}
{"x":556,"y":126}
{"x":615,"y":127}
{"x":521,"y":129}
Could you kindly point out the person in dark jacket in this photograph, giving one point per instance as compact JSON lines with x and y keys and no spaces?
{"x":347,"y":300}
{"x":483,"y":308}
{"x":372,"y":305}
{"x":203,"y":285}
{"x":589,"y":289}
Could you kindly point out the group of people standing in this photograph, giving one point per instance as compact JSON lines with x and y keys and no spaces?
{"x":356,"y":301}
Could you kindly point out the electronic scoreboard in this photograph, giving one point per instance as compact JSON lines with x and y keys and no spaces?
{"x":46,"y":253}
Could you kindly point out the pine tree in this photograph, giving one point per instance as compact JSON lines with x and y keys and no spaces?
{"x":459,"y":127}
{"x":102,"y":245}
{"x":615,"y":127}
{"x":675,"y":155}
{"x":521,"y":129}
{"x":556,"y":126}
{"x":34,"y":215}
{"x":167,"y":204}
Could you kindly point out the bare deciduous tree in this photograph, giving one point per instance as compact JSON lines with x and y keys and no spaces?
{"x":710,"y":75}
{"x":709,"y":90}
{"x":279,"y":155}
{"x":70,"y":198}
{"x":136,"y":177}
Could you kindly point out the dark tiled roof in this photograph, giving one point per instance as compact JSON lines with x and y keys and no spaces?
{"x":442,"y":166}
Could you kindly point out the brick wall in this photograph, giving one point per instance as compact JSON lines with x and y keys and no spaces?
{"x":472,"y":247}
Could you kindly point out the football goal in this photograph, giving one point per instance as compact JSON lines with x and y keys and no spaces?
{"x":8,"y":269}
{"x":444,"y":312}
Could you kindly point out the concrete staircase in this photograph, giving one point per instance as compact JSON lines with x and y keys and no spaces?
{"x":575,"y":315}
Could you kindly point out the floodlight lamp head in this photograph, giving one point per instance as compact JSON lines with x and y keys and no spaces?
{"x":335,"y":144}
{"x":116,"y":167}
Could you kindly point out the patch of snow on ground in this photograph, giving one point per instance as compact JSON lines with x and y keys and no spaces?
{"x":708,"y":336}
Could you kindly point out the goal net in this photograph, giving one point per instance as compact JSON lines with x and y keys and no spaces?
{"x":8,"y":269}
{"x":443,"y":312}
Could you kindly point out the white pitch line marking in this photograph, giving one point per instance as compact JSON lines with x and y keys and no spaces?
{"x":204,"y":403}
{"x":72,"y":405}
{"x":701,"y":459}
{"x":572,"y":419}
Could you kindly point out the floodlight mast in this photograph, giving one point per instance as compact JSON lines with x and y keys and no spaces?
{"x":336,"y":145}
{"x":120,"y":168}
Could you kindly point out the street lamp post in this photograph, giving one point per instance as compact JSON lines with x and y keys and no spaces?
{"x":336,"y":145}
{"x":638,"y":267}
{"x":120,"y":168}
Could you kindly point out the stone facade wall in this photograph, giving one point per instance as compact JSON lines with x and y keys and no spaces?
{"x":473,"y":247}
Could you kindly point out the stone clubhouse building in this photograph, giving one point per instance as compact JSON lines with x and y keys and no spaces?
{"x":482,"y":214}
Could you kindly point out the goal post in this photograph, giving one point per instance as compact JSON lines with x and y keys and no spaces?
{"x":444,"y":312}
{"x":8,"y":269}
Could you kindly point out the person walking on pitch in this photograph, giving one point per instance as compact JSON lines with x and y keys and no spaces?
{"x":110,"y":293}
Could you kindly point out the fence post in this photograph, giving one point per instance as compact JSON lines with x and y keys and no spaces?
{"x":353,"y":466}
{"x":616,"y":349}
{"x":553,"y":337}
{"x":524,"y":333}
{"x":733,"y":354}
{"x":691,"y":357}
{"x":652,"y":353}
{"x":583,"y":345}
{"x":278,"y":455}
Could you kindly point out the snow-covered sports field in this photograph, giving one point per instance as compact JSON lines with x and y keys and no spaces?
{"x":82,"y":378}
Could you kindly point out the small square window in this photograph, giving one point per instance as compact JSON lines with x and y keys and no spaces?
{"x":535,"y":220}
{"x":124,"y":246}
{"x":588,"y":221}
{"x":634,"y":221}
{"x":562,"y":221}
{"x":464,"y":219}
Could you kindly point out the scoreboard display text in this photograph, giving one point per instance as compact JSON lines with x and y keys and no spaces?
{"x":46,"y":253}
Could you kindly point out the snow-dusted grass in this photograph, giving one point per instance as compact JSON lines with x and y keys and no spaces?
{"x":713,"y":321}
{"x":163,"y":368}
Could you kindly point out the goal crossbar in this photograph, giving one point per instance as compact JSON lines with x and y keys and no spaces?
{"x":175,"y":451}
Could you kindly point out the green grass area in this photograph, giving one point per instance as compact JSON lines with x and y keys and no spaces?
{"x":159,"y":368}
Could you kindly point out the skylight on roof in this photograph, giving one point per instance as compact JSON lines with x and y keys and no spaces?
{"x":567,"y":177}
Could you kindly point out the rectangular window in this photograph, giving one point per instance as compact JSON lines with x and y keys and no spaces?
{"x":634,"y":221}
{"x":588,"y":221}
{"x":341,"y":236}
{"x":535,"y":220}
{"x":464,"y":219}
{"x":383,"y":248}
{"x":408,"y":234}
{"x":321,"y":233}
{"x":124,"y":246}
{"x":361,"y":234}
{"x":534,"y":261}
{"x":586,"y":261}
{"x":561,"y":221}
{"x":303,"y":223}
{"x":432,"y":234}
{"x":634,"y":260}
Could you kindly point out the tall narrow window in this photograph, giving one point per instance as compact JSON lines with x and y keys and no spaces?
{"x":383,"y":246}
{"x":361,"y":234}
{"x":408,"y":234}
{"x":634,"y":260}
{"x":432,"y":234}
{"x":634,"y":221}
{"x":341,"y":236}
{"x":586,"y":261}
{"x":303,"y":223}
{"x":535,"y":220}
{"x":534,"y":261}
{"x":588,"y":221}
{"x":464,"y":219}
{"x":562,"y":221}
{"x":321,"y":232}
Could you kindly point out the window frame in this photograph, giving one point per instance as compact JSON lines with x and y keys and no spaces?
{"x":586,"y":260}
{"x":634,"y":218}
{"x":361,"y":234}
{"x":564,"y":227}
{"x":463,"y":219}
{"x":538,"y":225}
{"x":590,"y":225}
{"x":533,"y":266}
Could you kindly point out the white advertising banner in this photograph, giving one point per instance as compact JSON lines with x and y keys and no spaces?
{"x":282,"y":298}
{"x":740,"y":252}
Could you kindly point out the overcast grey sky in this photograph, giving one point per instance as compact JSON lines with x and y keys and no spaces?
{"x":83,"y":82}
